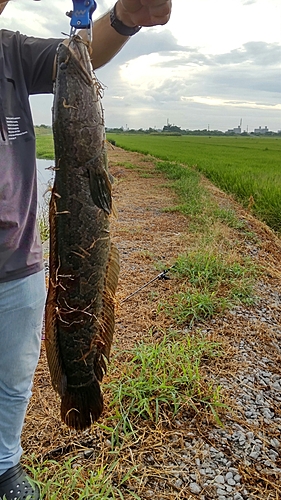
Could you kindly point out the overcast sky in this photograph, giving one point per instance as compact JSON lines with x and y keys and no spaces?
{"x":215,"y":63}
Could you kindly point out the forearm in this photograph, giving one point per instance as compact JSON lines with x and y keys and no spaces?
{"x":106,"y":42}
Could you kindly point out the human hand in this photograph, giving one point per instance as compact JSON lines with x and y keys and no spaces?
{"x":143,"y":12}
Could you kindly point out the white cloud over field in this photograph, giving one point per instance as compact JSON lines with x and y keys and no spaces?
{"x":213,"y":64}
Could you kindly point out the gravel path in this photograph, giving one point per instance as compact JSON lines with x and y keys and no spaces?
{"x":240,"y":460}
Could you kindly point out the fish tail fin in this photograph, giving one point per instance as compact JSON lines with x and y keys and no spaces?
{"x":81,"y":406}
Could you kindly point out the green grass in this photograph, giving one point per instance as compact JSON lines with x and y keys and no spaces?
{"x":43,"y":224}
{"x":45,"y":147}
{"x":72,"y":481}
{"x":43,"y":214}
{"x":229,"y":217}
{"x":211,"y":280}
{"x":194,"y":200}
{"x":43,"y":130}
{"x":244,"y":166}
{"x":163,"y":378}
{"x":211,"y":284}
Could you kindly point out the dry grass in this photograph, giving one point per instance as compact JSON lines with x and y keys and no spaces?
{"x":146,"y":463}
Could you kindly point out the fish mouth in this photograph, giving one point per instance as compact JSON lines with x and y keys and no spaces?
{"x":72,"y":56}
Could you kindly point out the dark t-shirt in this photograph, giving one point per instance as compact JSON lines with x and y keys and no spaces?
{"x":26,"y":66}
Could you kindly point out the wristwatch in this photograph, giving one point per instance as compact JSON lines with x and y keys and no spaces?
{"x":120,"y":27}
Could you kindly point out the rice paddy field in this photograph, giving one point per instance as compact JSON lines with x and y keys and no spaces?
{"x":249,"y":168}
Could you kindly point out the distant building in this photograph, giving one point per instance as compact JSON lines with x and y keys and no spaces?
{"x":261,"y":131}
{"x":236,"y":130}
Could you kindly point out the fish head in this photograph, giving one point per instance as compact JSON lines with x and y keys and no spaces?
{"x":73,"y":58}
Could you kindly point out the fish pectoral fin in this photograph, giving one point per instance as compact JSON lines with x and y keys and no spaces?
{"x":100,"y":188}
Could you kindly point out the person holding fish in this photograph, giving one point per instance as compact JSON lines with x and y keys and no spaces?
{"x":28,"y":66}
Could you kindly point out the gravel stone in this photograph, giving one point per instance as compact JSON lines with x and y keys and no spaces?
{"x":229,"y":475}
{"x":229,"y":489}
{"x":255,"y":453}
{"x":178,"y":483}
{"x":219,"y":479}
{"x":273,"y":455}
{"x":195,"y":488}
{"x":231,"y":482}
{"x":275,"y":443}
{"x":210,"y":472}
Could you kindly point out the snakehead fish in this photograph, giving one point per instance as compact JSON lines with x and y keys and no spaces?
{"x":84,"y":264}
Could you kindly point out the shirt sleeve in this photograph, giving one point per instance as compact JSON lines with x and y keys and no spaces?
{"x":37,"y":56}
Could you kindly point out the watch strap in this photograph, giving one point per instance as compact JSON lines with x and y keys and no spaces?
{"x":120,"y":27}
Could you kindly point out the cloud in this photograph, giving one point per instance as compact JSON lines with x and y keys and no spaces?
{"x":210,"y":101}
{"x":46,"y":19}
{"x":257,"y":52}
{"x":194,"y":71}
{"x":244,"y":79}
{"x":148,"y":41}
{"x":242,"y":68}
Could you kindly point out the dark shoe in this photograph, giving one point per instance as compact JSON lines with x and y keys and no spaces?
{"x":15,"y":485}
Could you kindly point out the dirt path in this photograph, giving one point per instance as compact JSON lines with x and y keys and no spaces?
{"x":194,"y":458}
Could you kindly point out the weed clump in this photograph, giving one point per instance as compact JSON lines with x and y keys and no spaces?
{"x":210,"y":284}
{"x":163,"y":378}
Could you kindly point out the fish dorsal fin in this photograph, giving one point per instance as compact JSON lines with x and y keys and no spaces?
{"x":111,"y":281}
{"x":58,"y":376}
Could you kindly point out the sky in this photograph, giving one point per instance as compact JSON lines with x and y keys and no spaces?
{"x":214,"y":65}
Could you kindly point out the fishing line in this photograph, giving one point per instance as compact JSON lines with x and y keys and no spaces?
{"x":160,"y":276}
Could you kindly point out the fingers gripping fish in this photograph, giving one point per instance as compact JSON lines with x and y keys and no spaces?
{"x":84,"y":263}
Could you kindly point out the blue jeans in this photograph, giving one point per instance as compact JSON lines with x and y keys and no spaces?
{"x":21,"y":311}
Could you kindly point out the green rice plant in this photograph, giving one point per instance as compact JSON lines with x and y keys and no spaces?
{"x":42,"y":130}
{"x":246,"y":167}
{"x":163,"y":377}
{"x":45,"y":147}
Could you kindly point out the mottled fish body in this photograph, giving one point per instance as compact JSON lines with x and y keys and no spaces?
{"x":84,"y":264}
